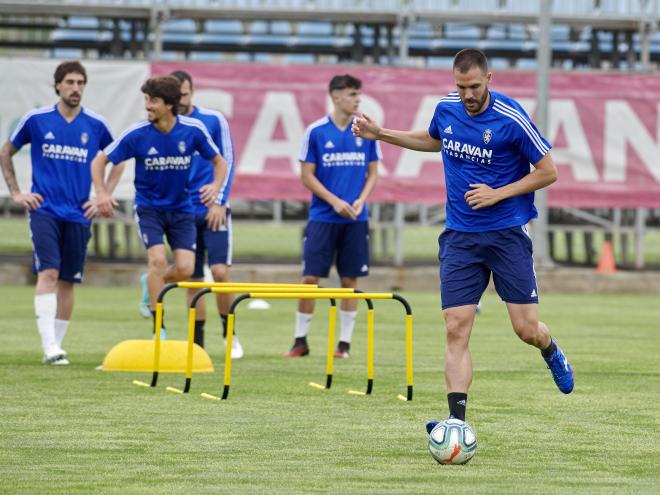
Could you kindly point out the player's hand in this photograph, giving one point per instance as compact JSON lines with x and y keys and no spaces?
{"x":481,"y":196}
{"x":363,"y":126}
{"x":344,"y":209}
{"x":358,"y":206}
{"x":208,"y":195}
{"x":30,"y":200}
{"x":105,"y":205}
{"x":216,"y":217}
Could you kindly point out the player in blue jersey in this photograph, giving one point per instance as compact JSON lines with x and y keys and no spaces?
{"x":163,"y":147}
{"x":341,"y":171}
{"x":488,"y":143}
{"x":217,"y":244}
{"x":64,"y":139}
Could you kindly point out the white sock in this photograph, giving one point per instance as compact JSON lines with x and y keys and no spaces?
{"x":347,"y":319}
{"x":45,"y":308}
{"x":302,"y":324}
{"x":61,"y":327}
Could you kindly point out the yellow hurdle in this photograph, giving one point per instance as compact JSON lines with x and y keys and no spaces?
{"x":226,"y":287}
{"x":325,"y":294}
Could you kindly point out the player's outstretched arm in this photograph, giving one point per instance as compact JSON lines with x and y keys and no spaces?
{"x":29,"y":200}
{"x":104,"y":204}
{"x":310,"y":181}
{"x":365,"y":127}
{"x":114,"y":177}
{"x":208,"y":193}
{"x":544,"y":174}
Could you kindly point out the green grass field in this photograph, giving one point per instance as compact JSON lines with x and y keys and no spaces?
{"x":75,"y":430}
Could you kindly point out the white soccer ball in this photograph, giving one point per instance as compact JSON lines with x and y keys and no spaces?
{"x":452,"y":442}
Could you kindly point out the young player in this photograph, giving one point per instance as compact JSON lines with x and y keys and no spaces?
{"x":488,"y":143}
{"x":217,"y":243}
{"x":340,"y":170}
{"x":163,"y":147}
{"x":64,"y":138}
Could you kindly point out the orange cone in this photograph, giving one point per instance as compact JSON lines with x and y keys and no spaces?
{"x":606,"y":263}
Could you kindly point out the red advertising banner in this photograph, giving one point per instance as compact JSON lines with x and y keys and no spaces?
{"x":605,"y":128}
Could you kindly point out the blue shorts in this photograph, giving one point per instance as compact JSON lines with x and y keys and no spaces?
{"x":178,"y":226}
{"x":468,"y":258}
{"x":217,"y":244}
{"x":350,"y":242}
{"x":60,"y":245}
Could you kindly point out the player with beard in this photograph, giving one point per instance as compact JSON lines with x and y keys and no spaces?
{"x":163,"y":147}
{"x":64,"y":139}
{"x":488,"y":143}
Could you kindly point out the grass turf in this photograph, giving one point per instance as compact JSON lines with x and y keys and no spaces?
{"x":76,"y":430}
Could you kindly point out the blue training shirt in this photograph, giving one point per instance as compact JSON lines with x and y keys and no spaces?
{"x":200,"y":172}
{"x":495,"y":147}
{"x":163,"y":161}
{"x":341,"y":161}
{"x":62,"y":153}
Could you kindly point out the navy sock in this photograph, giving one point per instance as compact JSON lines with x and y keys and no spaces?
{"x":457,"y":404}
{"x":199,"y":332}
{"x":550,"y":350}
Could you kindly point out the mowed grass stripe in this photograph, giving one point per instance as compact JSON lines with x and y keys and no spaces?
{"x":77,"y":430}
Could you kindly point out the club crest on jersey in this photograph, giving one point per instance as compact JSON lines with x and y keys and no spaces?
{"x":84,"y":137}
{"x":488,"y":135}
{"x":182,"y":146}
{"x":358,"y":142}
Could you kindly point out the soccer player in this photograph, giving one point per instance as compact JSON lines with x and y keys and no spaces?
{"x":340,"y":170}
{"x":163,"y":148}
{"x":488,"y":143}
{"x":217,"y":243}
{"x":64,"y":139}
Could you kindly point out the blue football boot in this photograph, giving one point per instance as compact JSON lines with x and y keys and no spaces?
{"x":433,"y":423}
{"x":561,"y":370}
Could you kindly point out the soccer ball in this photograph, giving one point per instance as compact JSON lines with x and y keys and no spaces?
{"x":452,"y":442}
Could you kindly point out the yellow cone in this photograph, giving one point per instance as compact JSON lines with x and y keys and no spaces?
{"x":138,"y":355}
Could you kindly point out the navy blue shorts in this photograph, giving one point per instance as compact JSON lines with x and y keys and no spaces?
{"x":178,"y":226}
{"x":60,"y":245}
{"x":468,"y":258}
{"x":350,"y":242}
{"x":217,"y":244}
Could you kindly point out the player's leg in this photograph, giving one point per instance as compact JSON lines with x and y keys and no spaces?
{"x":318,"y":250}
{"x":219,"y":246}
{"x":46,"y":234}
{"x":463,"y":279}
{"x":151,"y":229}
{"x":352,"y":263}
{"x":74,"y":240}
{"x":182,"y":237}
{"x":515,"y":281}
{"x":198,"y":276}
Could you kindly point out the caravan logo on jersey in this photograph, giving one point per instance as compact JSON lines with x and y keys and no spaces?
{"x":466,"y":151}
{"x":64,"y":152}
{"x":167,"y":163}
{"x":344,"y":159}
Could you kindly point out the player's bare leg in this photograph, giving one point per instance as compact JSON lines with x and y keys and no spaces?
{"x":347,"y":315}
{"x":458,"y":361}
{"x":526,"y":324}
{"x":220,"y":272}
{"x":303,"y":318}
{"x":182,"y":268}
